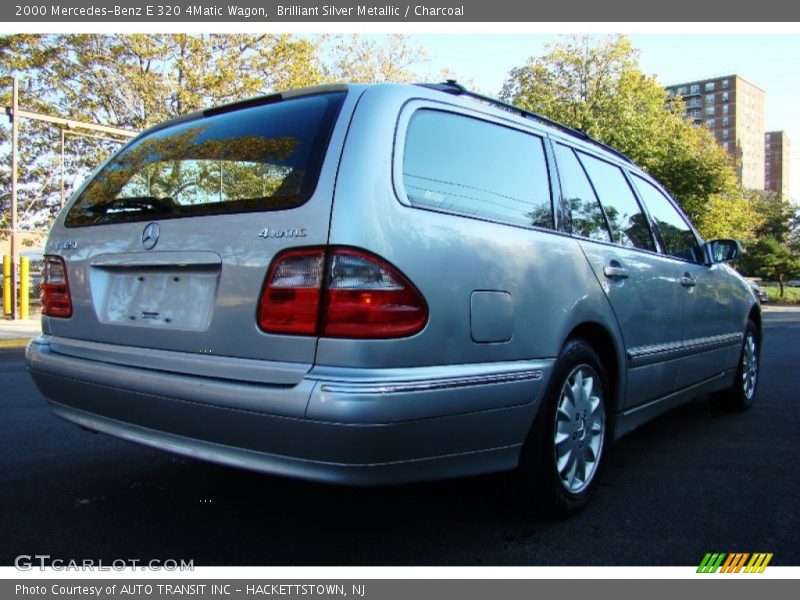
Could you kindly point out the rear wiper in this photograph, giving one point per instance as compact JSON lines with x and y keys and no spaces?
{"x":133,"y":204}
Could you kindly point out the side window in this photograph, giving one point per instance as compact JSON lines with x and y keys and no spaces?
{"x":628,"y":224}
{"x":676,"y":235}
{"x":475,"y":168}
{"x":587,"y":218}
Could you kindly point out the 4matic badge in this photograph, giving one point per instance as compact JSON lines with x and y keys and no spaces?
{"x":268,"y":233}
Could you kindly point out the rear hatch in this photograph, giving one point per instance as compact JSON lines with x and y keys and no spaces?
{"x":167,"y":246}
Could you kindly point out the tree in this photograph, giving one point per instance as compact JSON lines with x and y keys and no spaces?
{"x":139,"y":80}
{"x":772,"y":260}
{"x":596,"y":85}
{"x":730,"y":216}
{"x":775,"y":253}
{"x":364,"y":59}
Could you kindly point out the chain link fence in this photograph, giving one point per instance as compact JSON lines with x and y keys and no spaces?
{"x":35,"y":287}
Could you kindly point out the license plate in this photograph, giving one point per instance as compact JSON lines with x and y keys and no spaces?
{"x":158,"y":298}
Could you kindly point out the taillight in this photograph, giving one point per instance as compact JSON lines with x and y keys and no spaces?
{"x":291,"y":296}
{"x":56,"y":299}
{"x":367,"y":298}
{"x":362,"y":296}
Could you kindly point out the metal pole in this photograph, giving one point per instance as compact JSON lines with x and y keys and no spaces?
{"x":70,"y":124}
{"x":24,"y":287}
{"x":14,"y":135}
{"x":63,"y":141}
{"x":6,"y":285}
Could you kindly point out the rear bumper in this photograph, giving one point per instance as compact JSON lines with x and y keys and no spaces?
{"x":347,"y":426}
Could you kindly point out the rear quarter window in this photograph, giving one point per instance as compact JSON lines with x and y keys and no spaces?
{"x":585,"y":216}
{"x":263,"y":157}
{"x":466,"y":166}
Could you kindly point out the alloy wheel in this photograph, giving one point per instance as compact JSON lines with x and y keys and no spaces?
{"x":579,"y":428}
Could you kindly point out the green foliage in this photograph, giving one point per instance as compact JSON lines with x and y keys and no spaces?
{"x":785,"y":294}
{"x":774,"y":254}
{"x":772,"y":260}
{"x":596,"y":85}
{"x":729,"y":216}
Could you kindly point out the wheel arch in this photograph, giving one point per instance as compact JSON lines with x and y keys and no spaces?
{"x":610,"y":353}
{"x":755,"y":316}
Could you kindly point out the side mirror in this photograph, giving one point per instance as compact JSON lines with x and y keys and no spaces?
{"x":722,"y":251}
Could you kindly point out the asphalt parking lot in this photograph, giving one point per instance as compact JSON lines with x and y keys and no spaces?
{"x":696,"y":480}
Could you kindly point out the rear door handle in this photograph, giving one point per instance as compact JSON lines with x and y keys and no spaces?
{"x":614,"y":272}
{"x":688,"y":282}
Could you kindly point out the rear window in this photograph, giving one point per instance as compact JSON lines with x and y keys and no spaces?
{"x":475,"y":168}
{"x":264,"y":157}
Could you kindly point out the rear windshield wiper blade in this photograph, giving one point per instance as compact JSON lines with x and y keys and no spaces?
{"x":133,"y":204}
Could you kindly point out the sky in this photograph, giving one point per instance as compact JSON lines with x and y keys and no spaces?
{"x":769,"y":61}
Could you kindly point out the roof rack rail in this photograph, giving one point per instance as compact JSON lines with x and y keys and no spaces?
{"x":451,"y":86}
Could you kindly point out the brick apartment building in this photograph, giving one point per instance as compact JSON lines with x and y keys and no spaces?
{"x":777,"y":150}
{"x":732,"y":108}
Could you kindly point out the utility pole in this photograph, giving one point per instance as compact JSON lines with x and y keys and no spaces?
{"x":63,"y":190}
{"x":14,"y":136}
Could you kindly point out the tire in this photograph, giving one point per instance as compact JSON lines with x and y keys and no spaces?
{"x":563,"y":455}
{"x":742,"y":393}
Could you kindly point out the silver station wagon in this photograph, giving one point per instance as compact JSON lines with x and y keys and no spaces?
{"x":382,"y":284}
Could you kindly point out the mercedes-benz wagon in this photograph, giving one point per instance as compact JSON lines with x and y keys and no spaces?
{"x":381,"y":284}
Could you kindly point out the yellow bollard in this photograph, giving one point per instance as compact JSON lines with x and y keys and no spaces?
{"x":24,"y":287}
{"x":7,"y":306}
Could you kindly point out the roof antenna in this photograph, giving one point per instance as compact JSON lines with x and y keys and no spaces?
{"x":455,"y":84}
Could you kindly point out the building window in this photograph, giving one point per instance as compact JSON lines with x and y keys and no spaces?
{"x":709,"y":98}
{"x":710,"y":123}
{"x":709,"y":110}
{"x":696,"y":88}
{"x":710,"y":86}
{"x":724,"y":96}
{"x":725,"y":83}
{"x":682,"y":90}
{"x":725,"y":121}
{"x":724,"y":134}
{"x":724,"y":109}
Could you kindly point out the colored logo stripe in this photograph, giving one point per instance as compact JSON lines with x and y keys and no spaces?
{"x":710,"y":563}
{"x":734,"y":562}
{"x":759,"y":561}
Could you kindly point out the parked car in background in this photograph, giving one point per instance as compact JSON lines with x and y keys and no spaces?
{"x":793,"y":283}
{"x":760,"y":292}
{"x":379,"y":284}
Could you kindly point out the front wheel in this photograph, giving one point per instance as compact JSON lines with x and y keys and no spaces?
{"x":563,"y":454}
{"x":742,"y":393}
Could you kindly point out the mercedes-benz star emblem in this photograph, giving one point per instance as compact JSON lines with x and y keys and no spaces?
{"x":150,"y":236}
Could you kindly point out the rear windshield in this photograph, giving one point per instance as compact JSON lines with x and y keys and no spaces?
{"x":265,"y":157}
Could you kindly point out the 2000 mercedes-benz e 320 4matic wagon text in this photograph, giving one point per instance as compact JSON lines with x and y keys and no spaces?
{"x":388,"y":283}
